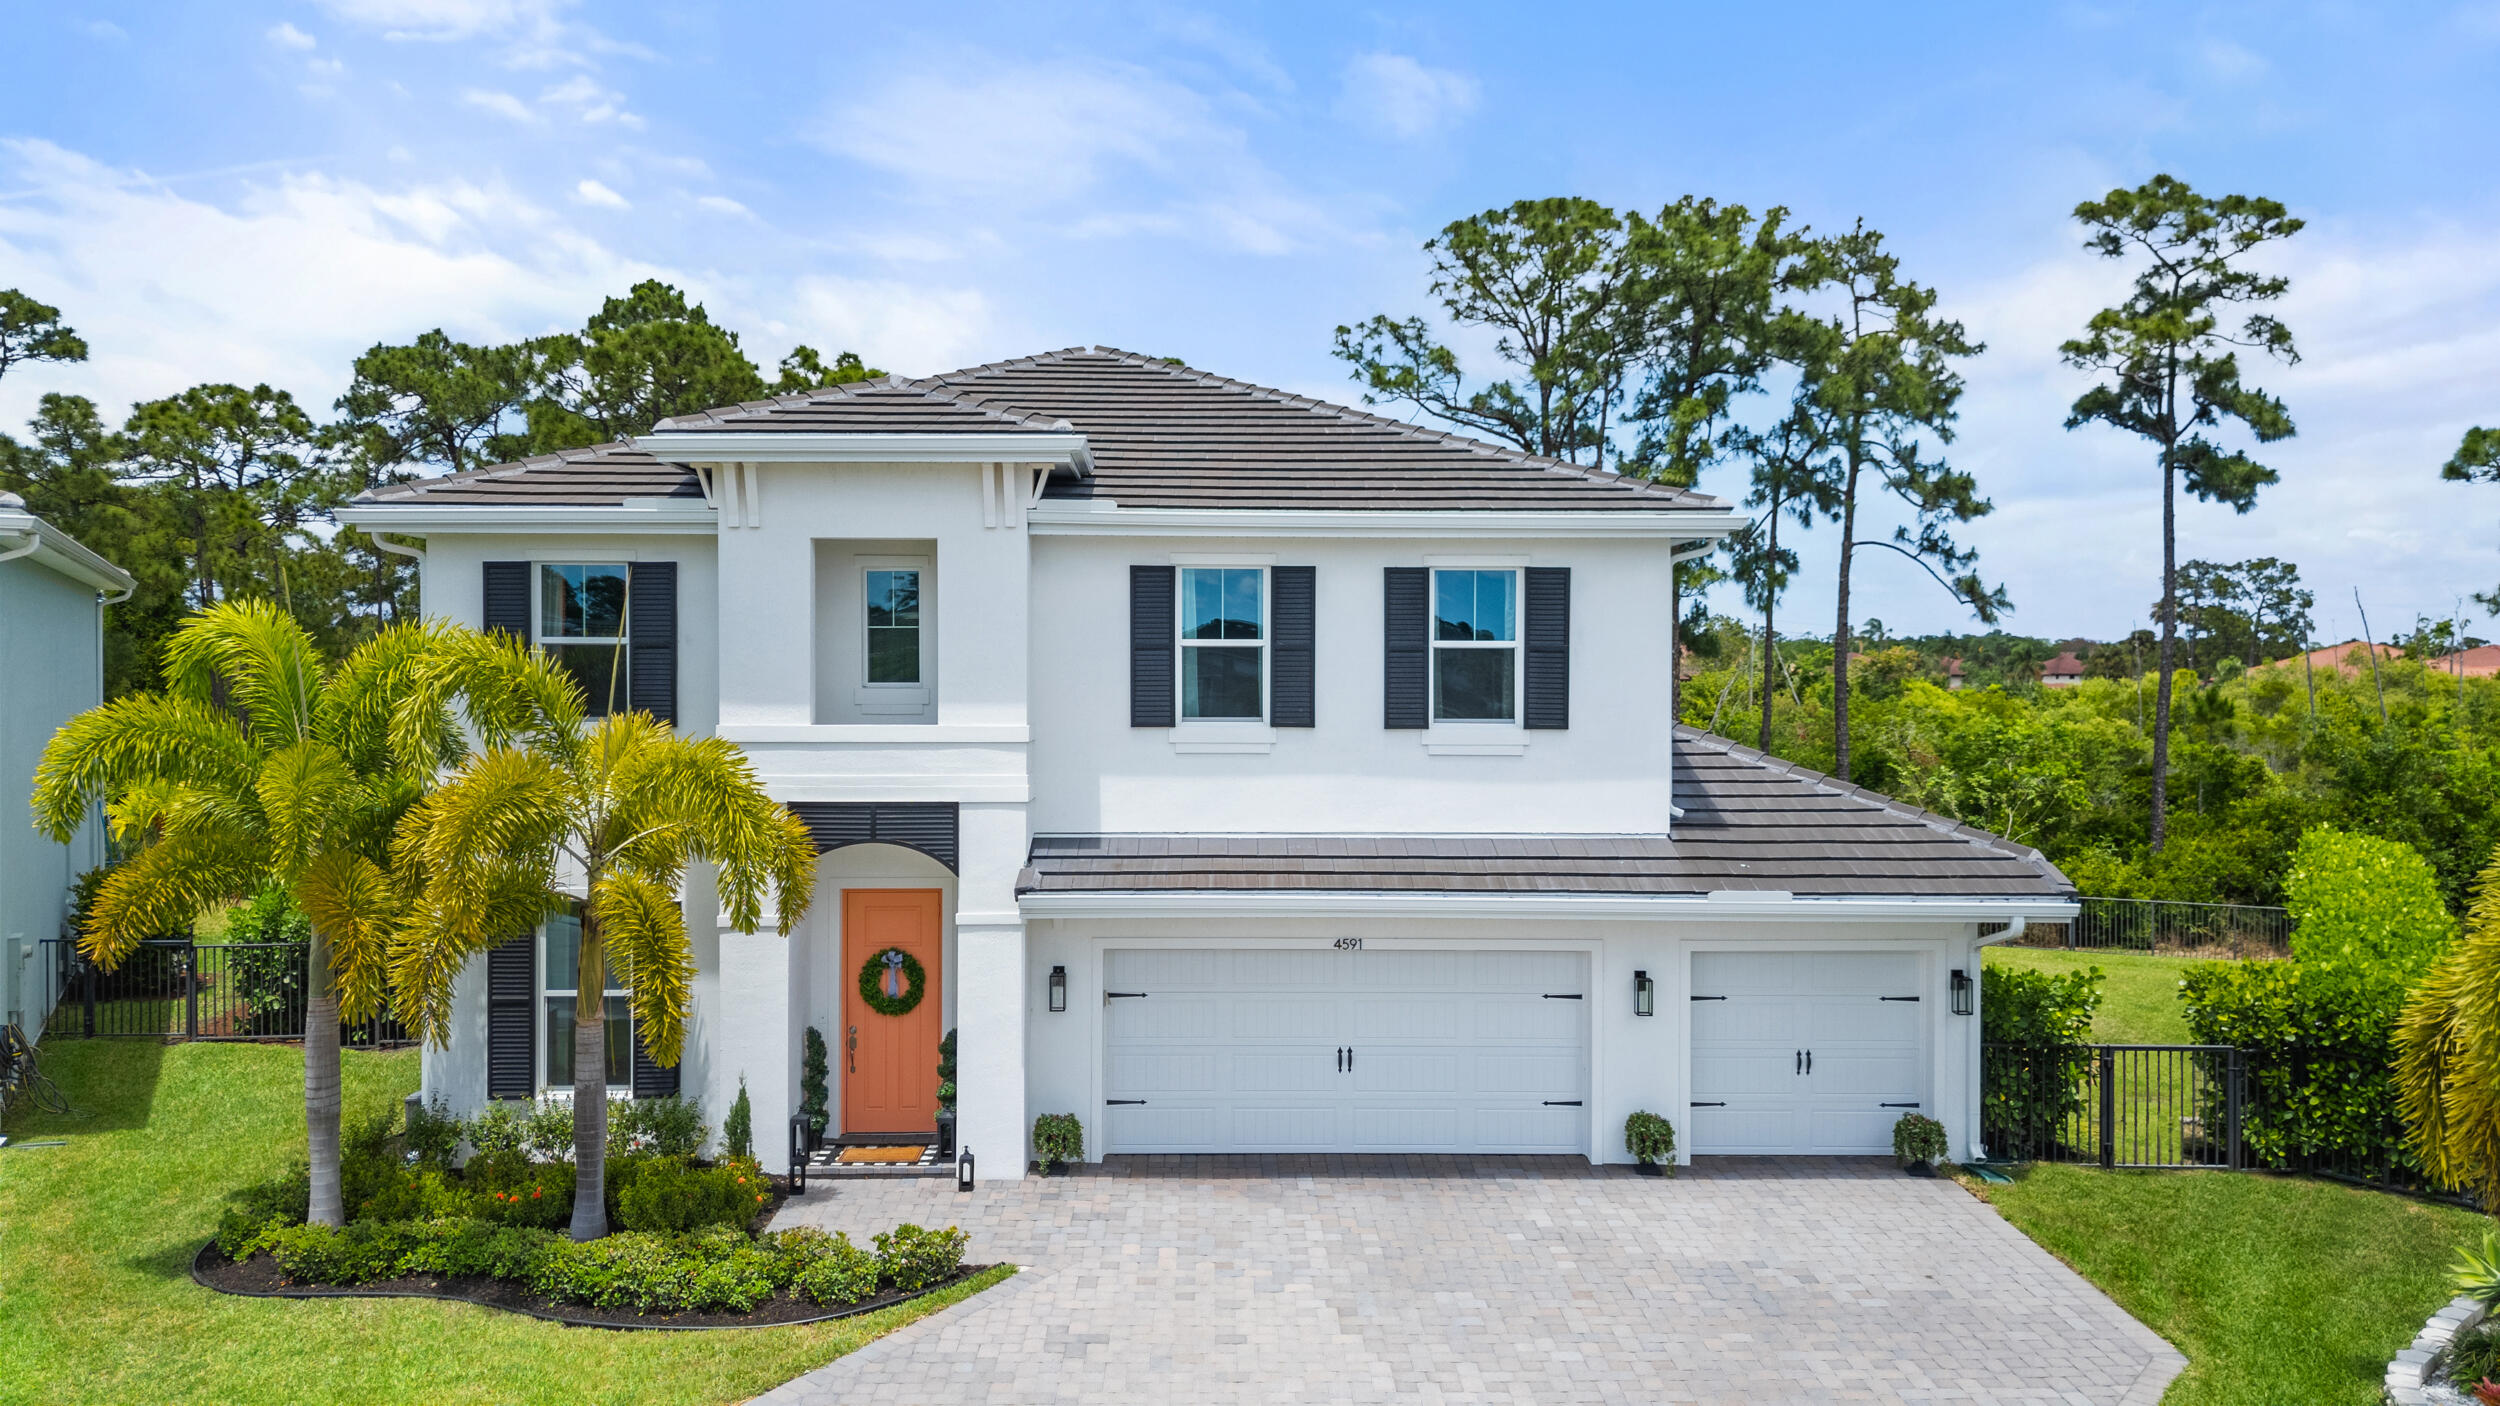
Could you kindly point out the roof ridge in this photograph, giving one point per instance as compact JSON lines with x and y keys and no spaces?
{"x":1831,"y":785}
{"x":930,"y":388}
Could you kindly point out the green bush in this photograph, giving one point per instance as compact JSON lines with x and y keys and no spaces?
{"x":433,"y":1135}
{"x":512,"y":1190}
{"x":715,"y":1271}
{"x":547,"y":1130}
{"x":2318,"y":1057}
{"x":2474,"y":1357}
{"x":665,"y":1194}
{"x":2037,"y":1027}
{"x":1648,"y":1137}
{"x":1918,"y":1138}
{"x":812,"y":1074}
{"x":666,"y":1127}
{"x":497,"y":1131}
{"x":946,"y":1071}
{"x":419,"y":1193}
{"x":264,"y":1206}
{"x":2360,"y":901}
{"x":911,"y":1258}
{"x":1058,"y":1137}
{"x":836,"y":1273}
{"x":268,"y":981}
{"x":738,"y":1130}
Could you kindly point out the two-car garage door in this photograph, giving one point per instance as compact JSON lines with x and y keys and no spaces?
{"x":1804,"y":1052}
{"x":1326,"y":1050}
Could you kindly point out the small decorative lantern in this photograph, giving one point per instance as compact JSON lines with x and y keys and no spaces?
{"x":1058,"y":989}
{"x":1644,"y":994}
{"x":963,"y":1170}
{"x":1961,"y":992}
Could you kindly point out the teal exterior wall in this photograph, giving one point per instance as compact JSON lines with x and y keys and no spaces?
{"x":51,"y":668}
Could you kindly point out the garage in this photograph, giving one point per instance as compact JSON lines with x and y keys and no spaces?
{"x":1334,"y":1048}
{"x":1805,"y":1052}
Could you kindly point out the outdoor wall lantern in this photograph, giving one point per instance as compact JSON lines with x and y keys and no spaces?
{"x":1961,"y":992}
{"x":1644,"y":994}
{"x":963,"y":1170}
{"x":1058,"y":988}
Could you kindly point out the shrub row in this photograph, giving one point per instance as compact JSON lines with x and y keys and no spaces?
{"x":644,"y":1193}
{"x":715,"y":1270}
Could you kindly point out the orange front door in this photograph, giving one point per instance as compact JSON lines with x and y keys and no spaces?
{"x":888,"y":1063}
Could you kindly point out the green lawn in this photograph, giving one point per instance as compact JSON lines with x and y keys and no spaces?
{"x":2278,"y":1289}
{"x":96,"y":1238}
{"x":2139,"y":992}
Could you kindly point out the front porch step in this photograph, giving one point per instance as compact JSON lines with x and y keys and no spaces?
{"x":822,"y":1163}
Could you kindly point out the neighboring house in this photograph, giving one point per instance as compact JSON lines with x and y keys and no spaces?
{"x":1242,"y":772}
{"x":2065,"y":671}
{"x":2480,"y":662}
{"x":52,"y":597}
{"x":1954,"y":679}
{"x":2350,"y":657}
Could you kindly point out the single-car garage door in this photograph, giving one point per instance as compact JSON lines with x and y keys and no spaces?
{"x":1327,"y":1050}
{"x":1805,"y":1052}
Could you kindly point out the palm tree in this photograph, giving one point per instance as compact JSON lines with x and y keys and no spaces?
{"x":605,"y":814}
{"x":2448,"y":1054}
{"x":257,"y":766}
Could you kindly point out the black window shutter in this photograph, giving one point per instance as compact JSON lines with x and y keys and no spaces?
{"x":651,"y":639}
{"x":1291,"y":684}
{"x":511,"y":1016}
{"x":1406,"y":689}
{"x":650,"y":1080}
{"x":508,"y":598}
{"x":1151,"y":646}
{"x":1546,"y":632}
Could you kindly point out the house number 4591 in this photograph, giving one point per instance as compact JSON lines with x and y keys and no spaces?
{"x":1349,"y":944}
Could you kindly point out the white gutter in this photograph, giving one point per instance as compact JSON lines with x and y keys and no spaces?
{"x":50,"y":547}
{"x":1063,"y":518}
{"x":415,"y":554}
{"x":1741,"y":907}
{"x":33,"y":540}
{"x":2015,"y":928}
{"x":793,"y":447}
{"x":636,"y":515}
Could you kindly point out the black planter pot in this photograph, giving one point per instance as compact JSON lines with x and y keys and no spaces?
{"x":1919,"y":1169}
{"x":946,"y":1134}
{"x":815,"y":1134}
{"x":1649,"y":1169}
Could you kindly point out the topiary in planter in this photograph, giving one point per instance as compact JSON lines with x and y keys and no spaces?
{"x":813,"y":1072}
{"x":1057,"y":1138}
{"x":1918,"y":1142}
{"x":1651,"y":1141}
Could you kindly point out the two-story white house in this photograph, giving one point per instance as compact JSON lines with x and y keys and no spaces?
{"x":1237,"y":771}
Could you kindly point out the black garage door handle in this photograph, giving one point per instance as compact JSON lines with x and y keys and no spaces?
{"x":1116,"y":1101}
{"x":1562,"y":1103}
{"x":1720,"y":1103}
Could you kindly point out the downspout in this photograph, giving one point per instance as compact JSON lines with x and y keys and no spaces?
{"x":33,"y":540}
{"x":1979,"y":1051}
{"x":1675,"y":659}
{"x":415,"y":554}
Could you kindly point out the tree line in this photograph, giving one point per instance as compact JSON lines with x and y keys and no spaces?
{"x":223,"y":491}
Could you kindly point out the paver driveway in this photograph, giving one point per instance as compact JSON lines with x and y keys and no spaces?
{"x":1167,"y":1280}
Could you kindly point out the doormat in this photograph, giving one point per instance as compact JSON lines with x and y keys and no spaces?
{"x":880,"y":1154}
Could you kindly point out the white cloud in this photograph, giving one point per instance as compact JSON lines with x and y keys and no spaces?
{"x":723,"y":205}
{"x":447,"y":19}
{"x":590,"y":102}
{"x":1136,"y":151}
{"x":903,"y":328}
{"x":285,"y":285}
{"x":2229,"y":61}
{"x":590,"y":192}
{"x":1398,"y":96}
{"x":500,"y":103}
{"x":287,"y":36}
{"x":104,"y":29}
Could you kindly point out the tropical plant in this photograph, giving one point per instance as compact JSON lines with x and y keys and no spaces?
{"x":1057,"y":1137}
{"x":613,"y":810}
{"x":2448,"y":1055}
{"x":1649,"y":1138}
{"x":813,"y":1073}
{"x":259,"y":767}
{"x":1918,"y":1140}
{"x":737,"y":1131}
{"x":2360,"y":901}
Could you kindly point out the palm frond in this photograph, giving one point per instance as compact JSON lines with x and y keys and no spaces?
{"x":645,"y":931}
{"x":377,"y":710}
{"x":440,"y":930}
{"x":164,"y":888}
{"x":350,"y":902}
{"x":258,"y":658}
{"x":145,"y":737}
{"x":512,"y":695}
{"x":303,"y":788}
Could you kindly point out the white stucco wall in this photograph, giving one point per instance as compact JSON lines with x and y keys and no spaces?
{"x":51,"y":668}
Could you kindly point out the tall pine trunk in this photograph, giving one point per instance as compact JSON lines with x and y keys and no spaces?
{"x":321,"y":1083}
{"x":590,"y":1085}
{"x":2169,"y":638}
{"x":1840,"y":631}
{"x":1770,"y":635}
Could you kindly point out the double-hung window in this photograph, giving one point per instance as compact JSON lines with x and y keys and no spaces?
{"x":1475,"y":646}
{"x":562,"y":934}
{"x":893,"y":626}
{"x":1223,"y":624}
{"x":581,"y":624}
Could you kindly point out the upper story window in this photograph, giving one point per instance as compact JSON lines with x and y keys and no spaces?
{"x":562,"y":936}
{"x":1223,"y":623}
{"x":893,"y":626}
{"x":1475,"y":646}
{"x":581,"y":624}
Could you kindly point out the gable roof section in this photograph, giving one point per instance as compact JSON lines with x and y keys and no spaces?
{"x":1161,"y":435}
{"x":1750,"y":823}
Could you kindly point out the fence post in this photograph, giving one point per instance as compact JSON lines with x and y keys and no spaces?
{"x":87,"y":975}
{"x":191,"y":990}
{"x":2109,"y":1106}
{"x":2231,"y":1101}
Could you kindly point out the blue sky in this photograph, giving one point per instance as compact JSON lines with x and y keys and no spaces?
{"x":238,"y":193}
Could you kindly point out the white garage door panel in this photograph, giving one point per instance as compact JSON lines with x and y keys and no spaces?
{"x":1239,"y":1050}
{"x":1798,"y":1052}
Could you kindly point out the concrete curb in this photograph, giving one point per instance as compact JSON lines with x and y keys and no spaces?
{"x":2413,"y":1368}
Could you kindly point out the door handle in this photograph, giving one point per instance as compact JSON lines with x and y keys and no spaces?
{"x":853,"y":1045}
{"x":1341,"y":1059}
{"x":1800,"y":1060}
{"x":1809,"y":1061}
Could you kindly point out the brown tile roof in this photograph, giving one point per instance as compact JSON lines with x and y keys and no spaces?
{"x":1162,"y":435}
{"x":1750,"y":822}
{"x":602,"y":476}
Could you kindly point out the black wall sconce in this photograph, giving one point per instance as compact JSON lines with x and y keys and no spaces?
{"x":1961,"y":992}
{"x":1644,"y":994}
{"x":1058,"y":988}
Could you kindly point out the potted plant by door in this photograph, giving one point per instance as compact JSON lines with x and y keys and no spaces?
{"x":813,"y":1098}
{"x":1918,"y":1144}
{"x":1058,"y":1139}
{"x":946,"y":1096}
{"x":1651,"y":1141}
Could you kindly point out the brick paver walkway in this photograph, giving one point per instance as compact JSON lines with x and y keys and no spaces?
{"x":1171,"y":1280}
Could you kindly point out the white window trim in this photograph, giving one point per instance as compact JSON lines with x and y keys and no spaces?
{"x":893,"y":697}
{"x":540,"y":1022}
{"x":1200,"y":729}
{"x":1490,"y":736}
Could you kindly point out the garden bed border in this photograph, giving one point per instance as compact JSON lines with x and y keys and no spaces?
{"x":199,"y":1262}
{"x":2413,"y":1368}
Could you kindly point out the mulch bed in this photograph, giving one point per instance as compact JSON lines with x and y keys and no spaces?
{"x":259,"y":1277}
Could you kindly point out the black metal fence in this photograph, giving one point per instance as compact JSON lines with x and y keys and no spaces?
{"x":177,"y":989}
{"x":2175,"y":1106}
{"x":2161,"y":925}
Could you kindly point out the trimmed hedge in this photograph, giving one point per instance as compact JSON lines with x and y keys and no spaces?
{"x":2318,"y":1057}
{"x":2037,"y":1026}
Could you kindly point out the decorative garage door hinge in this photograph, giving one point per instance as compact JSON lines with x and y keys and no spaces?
{"x":1710,"y":998}
{"x":1554,"y":996}
{"x":1562,"y":1103}
{"x":1116,"y":1101}
{"x":1121,"y":995}
{"x":1714,"y":1103}
{"x":1896,"y":1105}
{"x":1896,"y":998}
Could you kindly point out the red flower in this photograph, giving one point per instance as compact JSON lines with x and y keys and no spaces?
{"x":536,"y":1192}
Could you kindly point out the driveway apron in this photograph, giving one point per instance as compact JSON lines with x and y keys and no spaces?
{"x":1393,"y":1279}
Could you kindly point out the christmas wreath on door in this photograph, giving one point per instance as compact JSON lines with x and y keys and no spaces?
{"x":892,"y":982}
